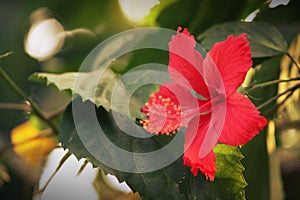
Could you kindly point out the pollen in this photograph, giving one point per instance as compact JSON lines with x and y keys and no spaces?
{"x":163,"y":115}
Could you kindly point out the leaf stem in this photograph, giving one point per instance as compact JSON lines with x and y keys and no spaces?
{"x":294,"y":61}
{"x":261,"y":85}
{"x":15,"y":106}
{"x":55,"y":113}
{"x":290,"y":90}
{"x":34,"y":106}
{"x":6,"y":54}
{"x":27,"y":107}
{"x":285,"y":99}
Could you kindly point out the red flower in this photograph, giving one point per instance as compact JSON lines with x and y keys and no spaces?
{"x":203,"y":97}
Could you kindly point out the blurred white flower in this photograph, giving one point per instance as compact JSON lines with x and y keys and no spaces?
{"x":275,"y":3}
{"x":44,"y":39}
{"x":251,"y":16}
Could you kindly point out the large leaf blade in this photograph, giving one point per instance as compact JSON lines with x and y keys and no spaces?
{"x":143,"y":183}
{"x":231,"y":182}
{"x":265,"y":39}
{"x":171,"y":182}
{"x":96,"y":86}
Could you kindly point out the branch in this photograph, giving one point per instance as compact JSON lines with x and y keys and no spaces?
{"x":269,"y":83}
{"x":55,"y":113}
{"x":294,"y":61}
{"x":14,"y":106}
{"x":290,"y":90}
{"x":6,"y":54}
{"x":287,"y":124}
{"x":34,"y":106}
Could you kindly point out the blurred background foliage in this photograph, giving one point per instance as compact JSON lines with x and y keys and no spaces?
{"x":88,"y":23}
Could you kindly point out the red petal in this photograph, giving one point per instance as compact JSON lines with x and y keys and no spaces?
{"x":233,"y":59}
{"x":242,"y":121}
{"x":194,"y":136}
{"x":185,"y":63}
{"x":215,"y":125}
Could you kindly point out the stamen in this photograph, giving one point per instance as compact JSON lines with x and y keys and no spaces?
{"x":163,"y":115}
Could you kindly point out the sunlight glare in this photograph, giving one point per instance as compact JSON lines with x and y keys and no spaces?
{"x":66,"y":184}
{"x":136,"y":10}
{"x":120,"y":186}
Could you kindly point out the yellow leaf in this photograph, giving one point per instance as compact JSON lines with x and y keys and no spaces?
{"x":31,"y":144}
{"x":288,"y":118}
{"x":106,"y":190}
{"x":289,"y":70}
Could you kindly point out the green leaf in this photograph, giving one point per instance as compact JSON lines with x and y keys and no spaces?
{"x":187,"y":10}
{"x":265,"y":39}
{"x":106,"y":190}
{"x":230,"y":180}
{"x":149,"y":185}
{"x":96,"y":86}
{"x":128,"y":93}
{"x":194,"y":13}
{"x":79,"y":133}
{"x":210,"y":12}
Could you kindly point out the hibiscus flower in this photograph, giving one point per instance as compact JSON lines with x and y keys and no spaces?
{"x":203,"y":98}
